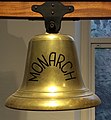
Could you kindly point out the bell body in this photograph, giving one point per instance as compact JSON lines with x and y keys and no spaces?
{"x":52,"y":79}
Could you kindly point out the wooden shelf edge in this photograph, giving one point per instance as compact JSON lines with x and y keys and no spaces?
{"x":82,"y":10}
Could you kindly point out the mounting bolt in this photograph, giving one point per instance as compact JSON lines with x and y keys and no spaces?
{"x":52,"y":12}
{"x":35,"y":7}
{"x":52,"y":4}
{"x":70,"y":8}
{"x":52,"y":24}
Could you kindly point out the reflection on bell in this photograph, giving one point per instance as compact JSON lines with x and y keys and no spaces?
{"x":52,"y":79}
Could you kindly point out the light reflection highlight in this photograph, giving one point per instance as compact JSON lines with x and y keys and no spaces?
{"x":52,"y":36}
{"x":52,"y":104}
{"x":52,"y":89}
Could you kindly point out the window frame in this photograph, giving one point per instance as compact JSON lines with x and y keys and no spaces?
{"x":87,"y":61}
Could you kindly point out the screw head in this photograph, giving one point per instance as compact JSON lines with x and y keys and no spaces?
{"x":52,"y":4}
{"x":35,"y":7}
{"x":52,"y":12}
{"x":70,"y":8}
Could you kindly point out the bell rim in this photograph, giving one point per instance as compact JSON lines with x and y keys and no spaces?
{"x":64,"y":104}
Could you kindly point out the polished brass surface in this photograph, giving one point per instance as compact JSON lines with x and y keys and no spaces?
{"x":52,"y":79}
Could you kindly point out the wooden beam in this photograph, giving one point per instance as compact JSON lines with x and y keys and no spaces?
{"x":82,"y":9}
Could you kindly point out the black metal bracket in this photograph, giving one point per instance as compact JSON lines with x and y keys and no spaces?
{"x":52,"y":12}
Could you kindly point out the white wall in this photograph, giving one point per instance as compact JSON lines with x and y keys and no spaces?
{"x":14,"y":37}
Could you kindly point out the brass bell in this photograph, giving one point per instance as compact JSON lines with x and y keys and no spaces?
{"x":52,"y":79}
